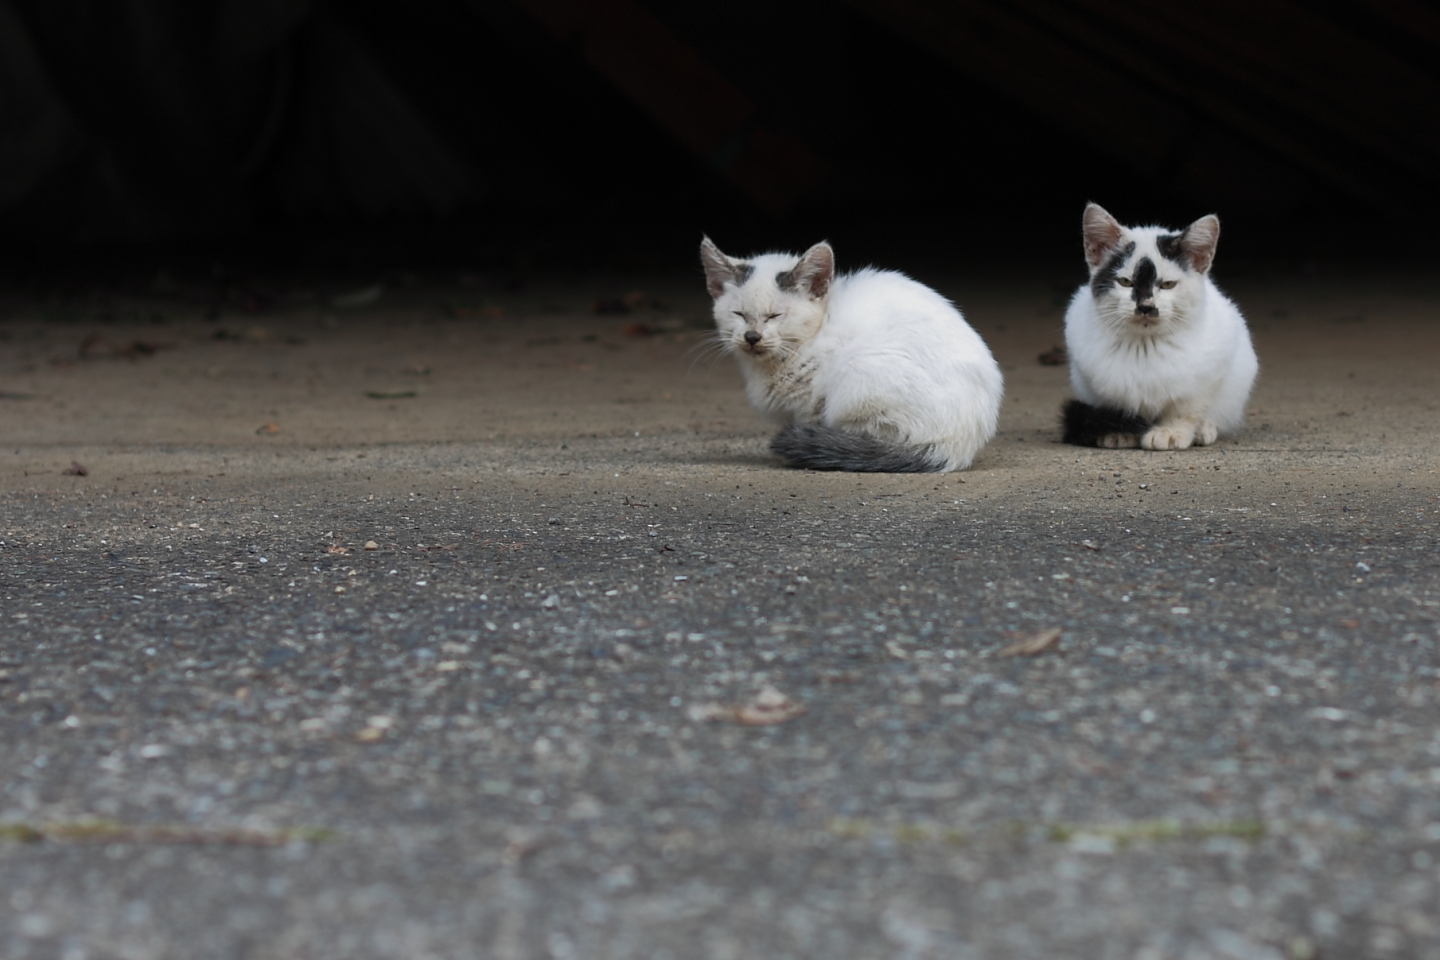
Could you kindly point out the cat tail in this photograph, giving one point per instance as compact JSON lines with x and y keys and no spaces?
{"x":825,"y":448}
{"x":1087,"y":426}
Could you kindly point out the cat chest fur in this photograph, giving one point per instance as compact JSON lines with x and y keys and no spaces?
{"x":784,"y":389}
{"x":1142,"y":374}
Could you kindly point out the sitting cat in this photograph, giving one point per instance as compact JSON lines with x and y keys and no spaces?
{"x":868,"y":371}
{"x":1159,"y":357}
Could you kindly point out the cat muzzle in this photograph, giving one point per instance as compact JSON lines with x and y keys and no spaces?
{"x":1146,"y":313}
{"x":752,"y":337}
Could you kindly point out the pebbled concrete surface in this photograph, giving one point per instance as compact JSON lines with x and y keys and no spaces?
{"x":230,"y":730}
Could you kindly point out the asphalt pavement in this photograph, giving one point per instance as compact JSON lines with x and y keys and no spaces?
{"x":494,"y":631}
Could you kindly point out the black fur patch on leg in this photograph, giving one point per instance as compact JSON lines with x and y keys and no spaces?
{"x":824,"y":448}
{"x":1085,"y":426}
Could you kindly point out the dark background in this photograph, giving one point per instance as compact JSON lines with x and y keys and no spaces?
{"x":612,"y":133}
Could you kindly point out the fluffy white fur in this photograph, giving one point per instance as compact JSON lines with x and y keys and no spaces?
{"x":1174,"y":351}
{"x":871,"y":353}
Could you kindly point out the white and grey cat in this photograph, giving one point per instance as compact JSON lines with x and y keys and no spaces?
{"x":1159,"y":357}
{"x":867,"y":371}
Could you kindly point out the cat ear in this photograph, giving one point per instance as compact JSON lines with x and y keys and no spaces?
{"x":1102,"y":232}
{"x":1197,"y":243}
{"x":719,"y":269}
{"x":812,"y":275}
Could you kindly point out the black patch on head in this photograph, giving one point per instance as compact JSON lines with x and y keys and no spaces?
{"x":1104,"y":278}
{"x":742,"y":273}
{"x":825,"y":448}
{"x":786,"y":280}
{"x":1143,"y":289}
{"x":1170,"y":249}
{"x":1085,"y":426}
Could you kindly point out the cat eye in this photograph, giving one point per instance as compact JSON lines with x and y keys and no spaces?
{"x":1168,"y":284}
{"x":1123,"y":281}
{"x":771,"y":316}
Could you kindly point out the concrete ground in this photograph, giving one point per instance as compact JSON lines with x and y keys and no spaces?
{"x":437,"y":622}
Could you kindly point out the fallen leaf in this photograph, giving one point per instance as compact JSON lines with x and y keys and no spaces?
{"x":336,"y":548}
{"x":522,"y":843}
{"x":1350,"y":624}
{"x":768,"y":707}
{"x":1054,"y":357}
{"x":95,"y":345}
{"x":268,"y":429}
{"x":1031,"y":645}
{"x":639,"y":330}
{"x":76,"y":469}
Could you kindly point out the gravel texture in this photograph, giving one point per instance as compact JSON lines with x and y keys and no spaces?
{"x":457,"y":673}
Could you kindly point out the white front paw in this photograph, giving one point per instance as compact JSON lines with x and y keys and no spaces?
{"x":1168,"y":438}
{"x":1118,"y":441}
{"x":1206,"y":435}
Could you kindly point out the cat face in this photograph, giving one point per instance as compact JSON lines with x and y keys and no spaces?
{"x":765,"y":307}
{"x":1145,"y":279}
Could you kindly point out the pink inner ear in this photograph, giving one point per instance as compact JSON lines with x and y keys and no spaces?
{"x":718,"y":269}
{"x":817,"y":269}
{"x":1199,"y":241}
{"x":1102,"y":233}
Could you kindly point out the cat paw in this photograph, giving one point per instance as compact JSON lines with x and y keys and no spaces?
{"x":1118,"y":441}
{"x":1168,"y":438}
{"x":1206,"y":434}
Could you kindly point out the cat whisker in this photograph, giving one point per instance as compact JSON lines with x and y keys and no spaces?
{"x":713,"y":348}
{"x":708,"y":342}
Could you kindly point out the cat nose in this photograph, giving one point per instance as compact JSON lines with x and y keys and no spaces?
{"x":1147,"y":309}
{"x":752,"y":337}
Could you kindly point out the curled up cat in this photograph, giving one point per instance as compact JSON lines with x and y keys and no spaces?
{"x":1159,"y":357}
{"x":867,"y":371}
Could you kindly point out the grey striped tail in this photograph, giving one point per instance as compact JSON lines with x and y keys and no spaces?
{"x":825,"y":448}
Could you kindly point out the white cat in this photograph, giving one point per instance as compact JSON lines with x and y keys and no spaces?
{"x":1159,"y":357}
{"x":868,"y":371}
